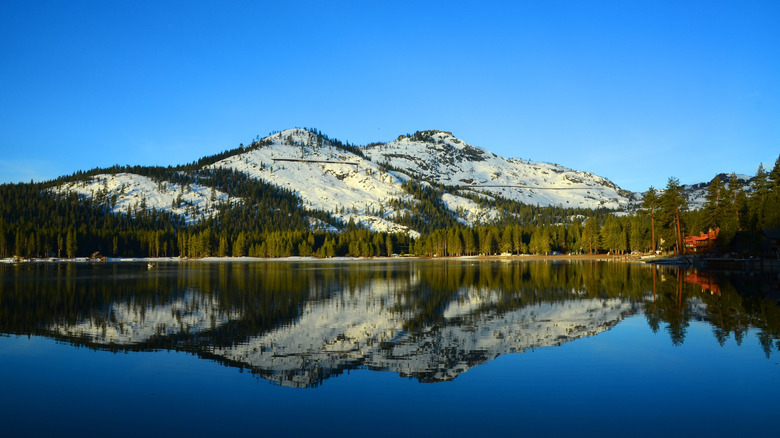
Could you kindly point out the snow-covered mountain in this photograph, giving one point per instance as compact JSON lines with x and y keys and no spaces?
{"x":128,"y":193}
{"x":439,"y":157}
{"x":330,"y":179}
{"x":366,"y":184}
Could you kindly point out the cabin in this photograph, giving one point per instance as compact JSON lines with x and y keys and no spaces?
{"x":770,"y":242}
{"x":704,"y":242}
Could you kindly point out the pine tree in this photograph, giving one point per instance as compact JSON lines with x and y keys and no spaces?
{"x":18,"y":244}
{"x":222,"y":250}
{"x":454,"y":242}
{"x":637,"y":238}
{"x":590,"y":235}
{"x":3,"y":241}
{"x":735,"y":200}
{"x":614,"y":236}
{"x":304,"y":249}
{"x":774,"y":175}
{"x":517,"y":239}
{"x":771,"y":211}
{"x":573,"y":236}
{"x":239,"y":246}
{"x":469,"y":243}
{"x":713,"y":208}
{"x":182,"y":241}
{"x":673,"y":204}
{"x":487,"y":243}
{"x":760,"y":195}
{"x":506,"y":240}
{"x":70,"y":244}
{"x":651,"y":204}
{"x":540,"y":241}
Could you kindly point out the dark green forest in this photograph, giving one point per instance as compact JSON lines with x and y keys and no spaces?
{"x":39,"y":222}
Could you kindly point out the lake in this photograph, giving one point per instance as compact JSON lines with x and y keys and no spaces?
{"x":387,"y":348}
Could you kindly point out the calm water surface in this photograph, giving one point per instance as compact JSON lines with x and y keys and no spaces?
{"x":441,"y":348}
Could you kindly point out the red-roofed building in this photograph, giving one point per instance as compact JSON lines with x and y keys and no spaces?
{"x":704,"y":242}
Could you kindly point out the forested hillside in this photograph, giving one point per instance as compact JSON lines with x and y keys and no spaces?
{"x":298,"y":192}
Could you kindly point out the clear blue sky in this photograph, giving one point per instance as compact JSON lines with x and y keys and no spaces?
{"x":632,"y":91}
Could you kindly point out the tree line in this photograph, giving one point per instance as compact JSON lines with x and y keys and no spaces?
{"x":739,"y":214}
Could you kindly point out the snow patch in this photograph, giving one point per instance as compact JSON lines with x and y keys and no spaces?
{"x":128,"y":192}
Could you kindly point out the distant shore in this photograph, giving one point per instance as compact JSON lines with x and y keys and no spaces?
{"x":728,"y":264}
{"x":524,"y":257}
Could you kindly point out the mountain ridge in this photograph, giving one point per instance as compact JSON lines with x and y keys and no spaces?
{"x":299,"y":192}
{"x":367,"y":184}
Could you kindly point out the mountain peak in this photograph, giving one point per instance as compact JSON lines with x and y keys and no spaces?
{"x":291,"y":136}
{"x":428,"y":136}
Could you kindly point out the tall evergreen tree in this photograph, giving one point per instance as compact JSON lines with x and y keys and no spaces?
{"x":759,"y":197}
{"x":506,"y":240}
{"x":713,"y":205}
{"x":614,"y":236}
{"x":651,"y":204}
{"x":540,"y":241}
{"x":455,"y":242}
{"x":774,"y":175}
{"x":590,"y":236}
{"x":637,"y":238}
{"x":674,"y":204}
{"x":771,"y":211}
{"x":736,"y":199}
{"x":3,"y":241}
{"x":469,"y":243}
{"x":487,"y":243}
{"x":70,"y":244}
{"x":222,"y":250}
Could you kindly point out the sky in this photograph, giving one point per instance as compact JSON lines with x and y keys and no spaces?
{"x":633,"y":91}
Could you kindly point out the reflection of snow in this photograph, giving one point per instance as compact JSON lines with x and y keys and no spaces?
{"x":462,"y":343}
{"x":129,"y":323}
{"x":329,"y":335}
{"x":363,"y":326}
{"x":361,"y":330}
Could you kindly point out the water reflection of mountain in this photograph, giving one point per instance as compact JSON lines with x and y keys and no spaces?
{"x":331,"y":336}
{"x":298,"y":324}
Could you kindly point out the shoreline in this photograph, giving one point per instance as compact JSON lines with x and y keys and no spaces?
{"x":695,"y":262}
{"x":522,"y":257}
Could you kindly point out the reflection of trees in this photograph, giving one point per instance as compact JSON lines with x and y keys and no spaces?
{"x":731,"y":304}
{"x":516,"y":285}
{"x":747,"y":301}
{"x":677,"y":316}
{"x":670,"y":303}
{"x":652,"y":312}
{"x":38,"y":296}
{"x":256,"y":298}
